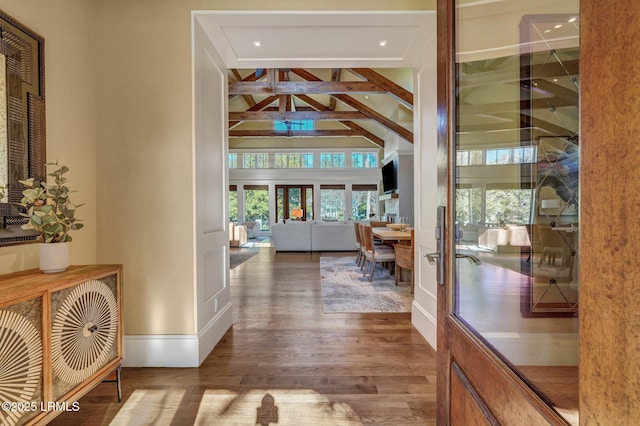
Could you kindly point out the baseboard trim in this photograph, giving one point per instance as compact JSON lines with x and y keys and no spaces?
{"x":161,"y":350}
{"x":425,"y":323}
{"x":176,"y":350}
{"x":212,"y":332}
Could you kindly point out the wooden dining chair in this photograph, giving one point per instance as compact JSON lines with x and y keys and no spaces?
{"x":360,"y":256}
{"x":374,"y":253}
{"x":363,"y":247}
{"x":404,"y":257}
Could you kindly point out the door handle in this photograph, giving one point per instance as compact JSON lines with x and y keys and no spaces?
{"x":432,"y":257}
{"x":471,"y":258}
{"x":440,"y":244}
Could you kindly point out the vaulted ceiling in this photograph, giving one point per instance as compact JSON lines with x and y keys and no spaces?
{"x":349,"y":102}
{"x":351,"y":72}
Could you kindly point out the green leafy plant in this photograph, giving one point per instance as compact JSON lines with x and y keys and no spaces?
{"x":49,"y":208}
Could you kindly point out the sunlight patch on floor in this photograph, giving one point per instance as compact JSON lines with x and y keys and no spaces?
{"x":282,"y":407}
{"x":149,"y":406}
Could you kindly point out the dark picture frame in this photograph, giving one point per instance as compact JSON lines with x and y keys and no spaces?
{"x":24,"y":133}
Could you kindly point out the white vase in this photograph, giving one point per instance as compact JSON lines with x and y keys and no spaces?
{"x":54,"y":257}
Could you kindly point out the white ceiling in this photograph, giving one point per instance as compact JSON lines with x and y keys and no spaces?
{"x":322,"y":39}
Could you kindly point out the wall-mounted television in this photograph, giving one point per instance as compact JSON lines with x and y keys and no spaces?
{"x":390,"y":177}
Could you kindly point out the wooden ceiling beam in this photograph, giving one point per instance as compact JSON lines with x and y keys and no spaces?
{"x":247,"y":98}
{"x":318,"y":87}
{"x":296,"y":115}
{"x":335,"y":76}
{"x":396,"y":91}
{"x":349,"y":124}
{"x":381,"y":119}
{"x":511,"y":107}
{"x":489,"y":77}
{"x":298,"y":133}
{"x":257,"y":107}
{"x":558,"y":95}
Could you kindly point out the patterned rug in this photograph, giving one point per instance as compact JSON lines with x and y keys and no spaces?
{"x":258,"y":242}
{"x":238,"y":257}
{"x":344,"y":289}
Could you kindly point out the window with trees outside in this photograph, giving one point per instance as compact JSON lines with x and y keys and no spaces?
{"x":364,"y":159}
{"x":294,"y":160}
{"x":255,"y":161}
{"x":256,"y":205}
{"x":294,"y":197}
{"x":332,"y":202}
{"x":493,"y":206}
{"x":233,"y":160}
{"x":233,"y":203}
{"x":364,"y":201}
{"x":332,"y":160}
{"x":497,"y":156}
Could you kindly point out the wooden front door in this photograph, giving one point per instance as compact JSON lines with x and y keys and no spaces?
{"x":508,"y":87}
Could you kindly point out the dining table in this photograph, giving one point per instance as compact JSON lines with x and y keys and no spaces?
{"x":388,"y":235}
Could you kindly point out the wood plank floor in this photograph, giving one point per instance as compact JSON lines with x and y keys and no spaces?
{"x":283,"y":362}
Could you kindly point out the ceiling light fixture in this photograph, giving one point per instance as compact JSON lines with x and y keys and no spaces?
{"x":558,"y":26}
{"x":383,"y":43}
{"x":257,"y":43}
{"x":573,"y":19}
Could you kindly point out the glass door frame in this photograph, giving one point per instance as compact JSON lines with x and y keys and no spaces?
{"x":304,"y":192}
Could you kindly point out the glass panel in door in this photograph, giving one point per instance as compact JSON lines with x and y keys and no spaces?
{"x":295,"y":203}
{"x":516,"y":187}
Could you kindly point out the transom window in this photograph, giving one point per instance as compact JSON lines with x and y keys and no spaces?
{"x":332,"y":160}
{"x":255,"y":161}
{"x":294,"y":161}
{"x":497,"y":156}
{"x":364,"y":159}
{"x":233,"y":160}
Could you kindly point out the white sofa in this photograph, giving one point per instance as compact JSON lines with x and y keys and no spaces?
{"x":313,"y":236}
{"x":510,"y":235}
{"x":333,"y":236}
{"x":253,"y":228}
{"x":237,"y":235}
{"x":291,"y":236}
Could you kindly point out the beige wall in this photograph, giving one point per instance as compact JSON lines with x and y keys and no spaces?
{"x":141,"y":158}
{"x":66,"y":26}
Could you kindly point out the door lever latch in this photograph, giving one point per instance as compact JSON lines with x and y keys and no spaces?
{"x":471,"y":258}
{"x":432,"y":258}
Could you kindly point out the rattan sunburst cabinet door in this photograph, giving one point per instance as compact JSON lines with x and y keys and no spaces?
{"x":21,"y":366}
{"x":84,"y":331}
{"x":60,"y":335}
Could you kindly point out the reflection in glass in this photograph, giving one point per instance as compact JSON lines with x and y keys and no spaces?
{"x":517,"y":177}
{"x":4,"y":142}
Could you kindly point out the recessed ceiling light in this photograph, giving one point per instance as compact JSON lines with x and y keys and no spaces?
{"x":257,"y":43}
{"x":547,"y":31}
{"x":383,"y":43}
{"x":558,"y":26}
{"x":555,"y":80}
{"x":573,"y":19}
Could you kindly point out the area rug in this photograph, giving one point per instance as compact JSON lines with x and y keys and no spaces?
{"x":239,"y":257}
{"x":344,"y":289}
{"x":258,"y":242}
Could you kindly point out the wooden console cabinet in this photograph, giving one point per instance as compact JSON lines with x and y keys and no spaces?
{"x":60,"y":335}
